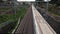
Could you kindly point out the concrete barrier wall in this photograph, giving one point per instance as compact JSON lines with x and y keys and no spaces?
{"x":40,"y":24}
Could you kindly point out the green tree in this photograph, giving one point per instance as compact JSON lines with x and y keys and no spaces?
{"x":57,"y":2}
{"x":1,"y":1}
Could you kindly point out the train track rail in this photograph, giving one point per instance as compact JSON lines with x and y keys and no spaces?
{"x":26,"y":25}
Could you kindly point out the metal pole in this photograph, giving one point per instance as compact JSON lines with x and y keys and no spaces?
{"x":15,"y":7}
{"x":47,"y":6}
{"x":46,"y":13}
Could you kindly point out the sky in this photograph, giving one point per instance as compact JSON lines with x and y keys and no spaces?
{"x":25,"y":0}
{"x":31,"y":0}
{"x":47,"y":0}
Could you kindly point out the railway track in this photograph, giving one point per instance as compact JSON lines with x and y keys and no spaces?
{"x":34,"y":23}
{"x":26,"y":25}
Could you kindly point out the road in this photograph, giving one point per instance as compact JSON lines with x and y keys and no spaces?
{"x":26,"y":25}
{"x":54,"y":24}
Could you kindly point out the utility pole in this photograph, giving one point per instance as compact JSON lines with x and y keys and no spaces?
{"x":47,"y":4}
{"x":15,"y":7}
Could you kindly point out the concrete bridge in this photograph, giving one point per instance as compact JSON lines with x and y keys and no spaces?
{"x":33,"y":23}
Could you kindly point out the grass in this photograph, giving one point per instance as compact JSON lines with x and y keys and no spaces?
{"x":19,"y":13}
{"x":53,"y":10}
{"x":13,"y":27}
{"x":54,"y":13}
{"x":4,"y":18}
{"x":5,"y":8}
